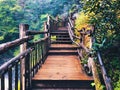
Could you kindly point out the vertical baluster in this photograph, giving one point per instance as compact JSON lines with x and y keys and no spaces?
{"x":47,"y":44}
{"x":2,"y":82}
{"x":43,"y":49}
{"x":36,"y":63}
{"x":27,"y":72}
{"x":10,"y":78}
{"x":30,"y":70}
{"x":20,"y":78}
{"x":41,"y":53}
{"x":38,"y":55}
{"x":16,"y":76}
{"x":33,"y":62}
{"x":46,"y":47}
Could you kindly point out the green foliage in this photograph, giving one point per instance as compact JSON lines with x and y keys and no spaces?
{"x":32,"y":12}
{"x":9,"y":20}
{"x":106,"y":20}
{"x":117,"y":85}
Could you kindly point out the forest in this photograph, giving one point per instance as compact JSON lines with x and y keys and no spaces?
{"x":104,"y":15}
{"x":34,"y":13}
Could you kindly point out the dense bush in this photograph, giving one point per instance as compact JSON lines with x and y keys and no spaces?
{"x":106,"y":20}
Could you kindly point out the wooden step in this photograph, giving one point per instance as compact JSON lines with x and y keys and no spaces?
{"x":61,"y":42}
{"x":63,"y":38}
{"x":63,"y":47}
{"x":60,"y":89}
{"x":55,"y":33}
{"x":60,"y":30}
{"x":62,"y":52}
{"x":62,"y":84}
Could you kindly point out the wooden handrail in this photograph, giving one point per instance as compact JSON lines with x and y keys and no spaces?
{"x":39,"y":41}
{"x":91,"y":65}
{"x":105,"y":77}
{"x":70,"y":22}
{"x":30,"y":57}
{"x":8,"y":68}
{"x":14,"y":60}
{"x":72,"y":35}
{"x":91,"y":61}
{"x":17,"y":42}
{"x":33,"y":32}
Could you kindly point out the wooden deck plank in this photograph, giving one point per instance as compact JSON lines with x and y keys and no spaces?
{"x":61,"y":68}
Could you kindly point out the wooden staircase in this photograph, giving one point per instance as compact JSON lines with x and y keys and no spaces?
{"x":62,"y":69}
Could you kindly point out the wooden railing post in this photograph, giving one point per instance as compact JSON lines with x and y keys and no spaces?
{"x":48,"y":34}
{"x":49,"y":28}
{"x":22,"y":29}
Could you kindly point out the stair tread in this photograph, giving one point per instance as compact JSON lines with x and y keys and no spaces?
{"x":62,"y":89}
{"x":60,"y":30}
{"x":62,"y":51}
{"x":63,"y":45}
{"x":59,"y":33}
{"x":63,"y":85}
{"x":62,"y":41}
{"x":63,"y":38}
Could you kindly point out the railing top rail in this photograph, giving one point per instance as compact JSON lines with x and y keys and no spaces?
{"x":17,"y":42}
{"x":34,"y":32}
{"x":74,"y":36}
{"x":70,"y":22}
{"x":19,"y":57}
{"x":105,"y":77}
{"x":41,"y":40}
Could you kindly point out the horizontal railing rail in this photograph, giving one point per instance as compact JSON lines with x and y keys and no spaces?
{"x":17,"y":42}
{"x":34,"y":32}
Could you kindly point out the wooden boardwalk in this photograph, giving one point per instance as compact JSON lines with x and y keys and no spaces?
{"x":61,"y":67}
{"x":62,"y":62}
